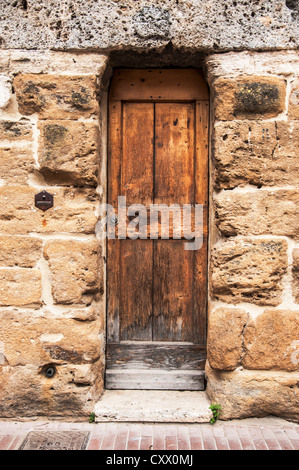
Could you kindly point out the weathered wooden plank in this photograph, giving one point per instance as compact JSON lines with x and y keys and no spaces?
{"x":113,"y":246}
{"x":173,"y":292}
{"x":128,"y":379}
{"x":200,"y":291}
{"x":165,"y":356}
{"x":158,"y":84}
{"x":137,"y":156}
{"x":114,"y":151}
{"x":136,"y":289}
{"x":160,"y":223}
{"x":174,"y":153}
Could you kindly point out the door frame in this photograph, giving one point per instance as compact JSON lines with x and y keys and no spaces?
{"x":192,"y":90}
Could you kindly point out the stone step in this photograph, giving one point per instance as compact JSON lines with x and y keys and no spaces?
{"x":153,"y":406}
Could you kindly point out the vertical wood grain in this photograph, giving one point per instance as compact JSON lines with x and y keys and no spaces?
{"x":137,"y":156}
{"x":174,"y":153}
{"x":201,"y":197}
{"x":173,"y":291}
{"x":136,"y":290}
{"x":113,"y":246}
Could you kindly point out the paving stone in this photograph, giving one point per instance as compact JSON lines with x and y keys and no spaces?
{"x":250,"y":434}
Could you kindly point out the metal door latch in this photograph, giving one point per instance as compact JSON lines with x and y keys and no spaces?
{"x":114,"y":219}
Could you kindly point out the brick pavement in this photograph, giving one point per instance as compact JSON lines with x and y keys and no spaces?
{"x":255,"y":434}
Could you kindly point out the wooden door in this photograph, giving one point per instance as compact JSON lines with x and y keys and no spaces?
{"x":157,"y":290}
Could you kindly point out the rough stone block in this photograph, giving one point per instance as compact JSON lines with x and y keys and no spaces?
{"x":38,"y":61}
{"x":72,"y":392}
{"x":75,"y":270}
{"x":73,"y":211}
{"x":151,"y":22}
{"x":259,"y":212}
{"x":16,"y":164}
{"x":20,"y":251}
{"x":271,"y":341}
{"x":69,"y":152}
{"x":258,"y":153}
{"x":248,"y":393}
{"x":95,"y":311}
{"x":57,"y":96}
{"x":253,"y":97}
{"x":249,"y":271}
{"x":32,"y":339}
{"x":16,"y":130}
{"x":107,"y":25}
{"x":294,"y":101}
{"x":4,"y":61}
{"x":295,"y":272}
{"x":20,"y":286}
{"x":5,"y":91}
{"x":225,"y":338}
{"x":283,"y":62}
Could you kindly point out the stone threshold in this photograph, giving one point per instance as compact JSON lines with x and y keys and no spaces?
{"x":157,"y":406}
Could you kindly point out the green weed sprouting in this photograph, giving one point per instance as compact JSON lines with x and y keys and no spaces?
{"x":216,"y":410}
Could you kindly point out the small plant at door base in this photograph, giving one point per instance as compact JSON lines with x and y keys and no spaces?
{"x":92,"y":418}
{"x":216,"y":410}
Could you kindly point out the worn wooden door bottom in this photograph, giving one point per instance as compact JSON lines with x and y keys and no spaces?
{"x":155,"y":366}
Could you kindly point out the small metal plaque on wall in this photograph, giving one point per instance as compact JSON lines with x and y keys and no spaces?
{"x":44,"y":200}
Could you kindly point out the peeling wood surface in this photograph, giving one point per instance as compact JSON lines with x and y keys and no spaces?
{"x":148,"y":356}
{"x":155,"y":379}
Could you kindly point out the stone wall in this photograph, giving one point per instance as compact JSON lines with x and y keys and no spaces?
{"x":52,"y":266}
{"x":52,"y":314}
{"x":253,"y":347}
{"x":192,"y":25}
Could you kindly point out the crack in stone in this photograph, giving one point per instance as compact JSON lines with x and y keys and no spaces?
{"x":277,"y":141}
{"x":243,"y":349}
